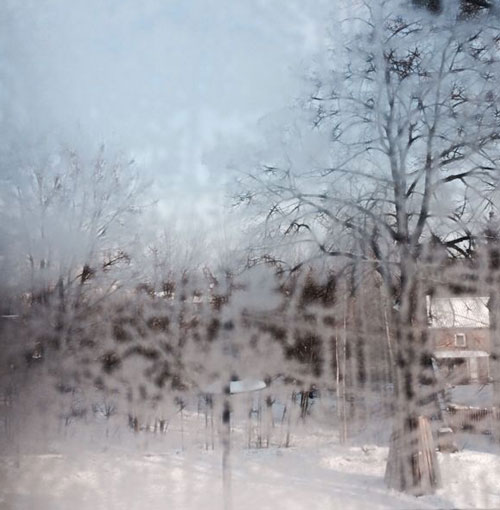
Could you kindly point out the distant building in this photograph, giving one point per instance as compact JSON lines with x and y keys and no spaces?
{"x":460,"y":335}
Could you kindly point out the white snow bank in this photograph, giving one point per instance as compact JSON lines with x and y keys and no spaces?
{"x":311,"y":475}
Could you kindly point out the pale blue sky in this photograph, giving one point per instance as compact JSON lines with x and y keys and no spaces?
{"x":164,"y":79}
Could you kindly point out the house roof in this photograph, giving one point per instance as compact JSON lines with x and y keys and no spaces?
{"x":458,"y":312}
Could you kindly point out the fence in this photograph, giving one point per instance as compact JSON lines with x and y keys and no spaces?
{"x":473,"y":419}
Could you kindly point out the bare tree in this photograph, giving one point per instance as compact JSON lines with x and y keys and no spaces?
{"x":404,"y":160}
{"x":69,"y":222}
{"x":69,"y":217}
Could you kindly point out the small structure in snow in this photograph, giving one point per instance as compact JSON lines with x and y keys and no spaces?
{"x":239,"y":386}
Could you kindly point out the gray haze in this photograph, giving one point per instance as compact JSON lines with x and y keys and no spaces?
{"x":162,"y":80}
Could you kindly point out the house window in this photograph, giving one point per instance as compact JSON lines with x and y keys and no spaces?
{"x":460,"y":340}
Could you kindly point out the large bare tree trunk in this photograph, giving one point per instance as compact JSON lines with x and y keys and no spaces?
{"x":494,"y":309}
{"x":412,"y":465}
{"x":492,"y":278}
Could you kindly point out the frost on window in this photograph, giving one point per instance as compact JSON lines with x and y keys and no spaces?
{"x":249,"y":254}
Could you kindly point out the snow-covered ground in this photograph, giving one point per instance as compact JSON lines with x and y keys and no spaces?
{"x":314,"y":473}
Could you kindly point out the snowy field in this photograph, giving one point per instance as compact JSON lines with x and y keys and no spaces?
{"x":315,"y":472}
